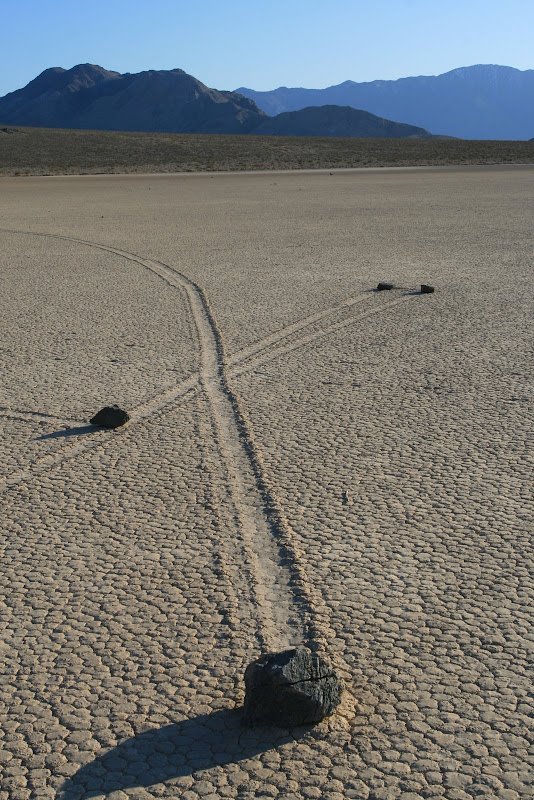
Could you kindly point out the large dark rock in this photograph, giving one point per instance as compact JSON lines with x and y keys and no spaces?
{"x":110,"y":417}
{"x":426,"y":289}
{"x":294,"y":687}
{"x":382,"y":287}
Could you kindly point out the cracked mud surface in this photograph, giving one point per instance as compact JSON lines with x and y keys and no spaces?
{"x":307,"y":460}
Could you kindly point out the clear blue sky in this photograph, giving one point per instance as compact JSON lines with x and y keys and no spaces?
{"x":262,"y":45}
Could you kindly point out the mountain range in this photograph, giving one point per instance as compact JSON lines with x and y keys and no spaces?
{"x":485,"y":101}
{"x":480,"y":102}
{"x":90,"y":97}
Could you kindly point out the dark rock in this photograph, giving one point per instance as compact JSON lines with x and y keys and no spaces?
{"x":110,"y":417}
{"x":294,"y":687}
{"x":383,"y":286}
{"x":426,"y":289}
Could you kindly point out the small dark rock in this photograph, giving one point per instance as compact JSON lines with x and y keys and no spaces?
{"x":426,"y":289}
{"x":294,"y":687}
{"x":383,"y":286}
{"x":110,"y":417}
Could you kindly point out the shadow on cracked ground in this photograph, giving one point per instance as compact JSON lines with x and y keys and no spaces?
{"x":161,"y":754}
{"x":81,"y":430}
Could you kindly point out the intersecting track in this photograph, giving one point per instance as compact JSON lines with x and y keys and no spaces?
{"x":290,"y":610}
{"x":31,"y":416}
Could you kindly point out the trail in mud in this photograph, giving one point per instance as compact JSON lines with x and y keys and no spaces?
{"x":290,"y":611}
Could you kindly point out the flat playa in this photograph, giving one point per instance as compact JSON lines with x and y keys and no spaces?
{"x":307,"y":459}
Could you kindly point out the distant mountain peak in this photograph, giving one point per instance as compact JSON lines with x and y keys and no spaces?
{"x":338,"y":121}
{"x":56,"y":79}
{"x":51,"y":71}
{"x":89,"y":96}
{"x":482,"y":101}
{"x":481,"y":68}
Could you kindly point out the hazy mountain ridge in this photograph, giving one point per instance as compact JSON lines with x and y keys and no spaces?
{"x":485,"y":101}
{"x":337,"y":121}
{"x":90,"y":97}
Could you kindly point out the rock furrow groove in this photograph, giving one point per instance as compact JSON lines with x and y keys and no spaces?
{"x":292,"y":610}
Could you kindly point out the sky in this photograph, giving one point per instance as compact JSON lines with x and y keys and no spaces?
{"x":262,"y":45}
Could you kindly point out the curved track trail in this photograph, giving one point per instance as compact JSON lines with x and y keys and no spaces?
{"x":289,"y":609}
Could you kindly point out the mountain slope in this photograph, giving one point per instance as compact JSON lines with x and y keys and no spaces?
{"x":90,"y":97}
{"x":53,"y":97}
{"x":479,"y":102}
{"x":337,"y":121}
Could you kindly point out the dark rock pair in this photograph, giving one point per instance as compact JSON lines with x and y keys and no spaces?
{"x":425,"y":288}
{"x":382,"y":287}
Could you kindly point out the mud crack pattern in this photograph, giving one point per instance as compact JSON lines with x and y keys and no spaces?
{"x":358,"y":476}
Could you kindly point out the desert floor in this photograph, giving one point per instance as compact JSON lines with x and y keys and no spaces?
{"x":307,"y":460}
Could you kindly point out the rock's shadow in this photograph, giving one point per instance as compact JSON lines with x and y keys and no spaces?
{"x":405,"y":291}
{"x":159,"y":755}
{"x":79,"y":431}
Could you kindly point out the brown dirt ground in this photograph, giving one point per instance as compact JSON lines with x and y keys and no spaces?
{"x":50,"y":151}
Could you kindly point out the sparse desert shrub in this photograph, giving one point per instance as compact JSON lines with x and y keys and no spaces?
{"x":38,"y":151}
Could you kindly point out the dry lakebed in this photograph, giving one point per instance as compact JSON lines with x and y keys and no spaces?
{"x":307,"y":460}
